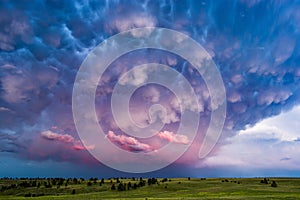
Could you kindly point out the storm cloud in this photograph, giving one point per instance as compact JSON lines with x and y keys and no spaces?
{"x":255,"y":45}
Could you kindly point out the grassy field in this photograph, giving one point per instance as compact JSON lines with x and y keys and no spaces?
{"x":175,"y":188}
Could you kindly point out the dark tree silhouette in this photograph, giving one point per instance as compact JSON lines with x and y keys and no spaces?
{"x":264,"y":181}
{"x":75,"y":181}
{"x":164,"y":180}
{"x":274,"y":184}
{"x":128,"y":185}
{"x":113,"y":187}
{"x":121,"y":187}
{"x":135,"y":186}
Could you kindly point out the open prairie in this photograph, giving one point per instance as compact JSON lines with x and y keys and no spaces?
{"x":174,"y":188}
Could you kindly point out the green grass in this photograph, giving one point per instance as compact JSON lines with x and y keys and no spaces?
{"x":249,"y":188}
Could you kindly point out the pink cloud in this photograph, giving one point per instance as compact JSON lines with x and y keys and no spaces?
{"x":49,"y":135}
{"x":171,"y":137}
{"x":79,"y":146}
{"x":66,"y":138}
{"x":132,"y":144}
{"x":129,"y":143}
{"x":64,"y":147}
{"x":58,"y":147}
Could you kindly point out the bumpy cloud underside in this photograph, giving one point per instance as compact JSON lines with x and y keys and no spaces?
{"x":255,"y":45}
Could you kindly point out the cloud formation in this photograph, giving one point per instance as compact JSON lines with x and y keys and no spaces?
{"x":128,"y":143}
{"x":171,"y":137}
{"x":271,"y":144}
{"x":49,"y":135}
{"x":65,"y":138}
{"x":255,"y":45}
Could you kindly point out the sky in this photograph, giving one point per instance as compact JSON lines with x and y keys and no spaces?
{"x":255,"y":46}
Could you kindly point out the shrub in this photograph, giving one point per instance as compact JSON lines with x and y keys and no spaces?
{"x":164,"y":180}
{"x":135,"y":186}
{"x":274,"y":184}
{"x":264,"y":181}
{"x":142,"y":183}
{"x":27,"y":195}
{"x":128,"y":185}
{"x":152,"y":181}
{"x":121,"y":187}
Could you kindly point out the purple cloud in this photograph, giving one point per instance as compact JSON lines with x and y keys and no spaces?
{"x":42,"y":45}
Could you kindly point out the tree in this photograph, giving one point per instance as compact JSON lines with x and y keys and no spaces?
{"x":33,"y":184}
{"x":73,"y":191}
{"x":152,"y":181}
{"x":142,"y":183}
{"x":95,"y":180}
{"x":129,"y":185}
{"x":274,"y":184}
{"x":75,"y":180}
{"x":27,"y":195}
{"x":149,"y":181}
{"x":121,"y":187}
{"x":113,"y":187}
{"x":265,"y":181}
{"x":164,"y":180}
{"x":135,"y":186}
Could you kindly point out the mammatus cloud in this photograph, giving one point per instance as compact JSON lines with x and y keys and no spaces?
{"x":127,"y":20}
{"x":255,"y":45}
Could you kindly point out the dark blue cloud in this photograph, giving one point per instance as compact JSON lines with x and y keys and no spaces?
{"x":255,"y":45}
